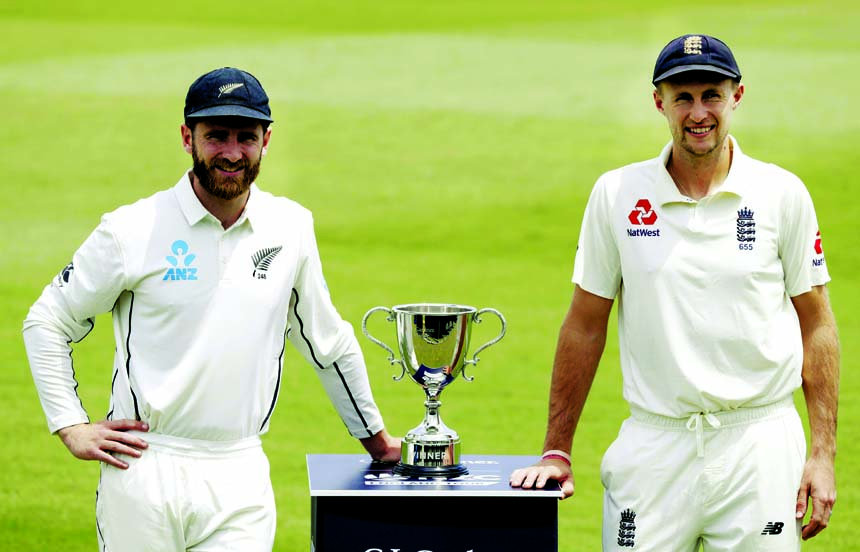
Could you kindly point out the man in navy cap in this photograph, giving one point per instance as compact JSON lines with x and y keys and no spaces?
{"x":717,"y":263}
{"x":206,"y":282}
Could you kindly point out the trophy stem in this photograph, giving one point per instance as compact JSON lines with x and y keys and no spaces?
{"x":432,"y":420}
{"x":432,"y":449}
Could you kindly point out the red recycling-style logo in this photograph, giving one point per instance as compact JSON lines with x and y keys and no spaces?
{"x":818,"y":249}
{"x":642,"y":214}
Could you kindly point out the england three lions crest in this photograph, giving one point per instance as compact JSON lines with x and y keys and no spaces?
{"x":746,"y":229}
{"x":627,"y":529}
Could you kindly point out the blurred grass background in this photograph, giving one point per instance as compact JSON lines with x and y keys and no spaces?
{"x":446,"y":148}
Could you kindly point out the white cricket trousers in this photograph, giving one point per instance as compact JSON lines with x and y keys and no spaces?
{"x":188,"y":495}
{"x":725,"y":480}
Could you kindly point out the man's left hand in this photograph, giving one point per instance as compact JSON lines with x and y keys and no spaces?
{"x":382,"y":447}
{"x":818,"y":485}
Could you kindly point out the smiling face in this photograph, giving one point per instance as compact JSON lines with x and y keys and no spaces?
{"x":226,"y":153}
{"x":698,"y":110}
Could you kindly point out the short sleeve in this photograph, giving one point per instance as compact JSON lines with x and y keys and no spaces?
{"x":800,"y":242}
{"x":597,"y":265}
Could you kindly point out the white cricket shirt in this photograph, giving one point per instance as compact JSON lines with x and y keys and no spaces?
{"x":705,"y":319}
{"x":200,"y":316}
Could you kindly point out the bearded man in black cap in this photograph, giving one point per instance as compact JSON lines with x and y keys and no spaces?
{"x":206,"y":282}
{"x":717,"y":263}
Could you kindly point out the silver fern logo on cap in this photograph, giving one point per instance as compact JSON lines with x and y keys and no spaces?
{"x":229,"y":88}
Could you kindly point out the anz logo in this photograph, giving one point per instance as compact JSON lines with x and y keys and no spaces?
{"x":180,"y":262}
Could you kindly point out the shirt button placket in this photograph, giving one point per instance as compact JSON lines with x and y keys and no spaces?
{"x":222,"y":259}
{"x":695,"y":224}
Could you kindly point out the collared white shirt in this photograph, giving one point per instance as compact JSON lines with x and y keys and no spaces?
{"x":200,"y":317}
{"x":705,"y":318}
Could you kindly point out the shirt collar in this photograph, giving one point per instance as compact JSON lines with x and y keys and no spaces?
{"x":194,"y":211}
{"x":667,"y":191}
{"x":251,"y":210}
{"x":735,"y":181}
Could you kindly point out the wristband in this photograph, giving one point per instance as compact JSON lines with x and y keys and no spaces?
{"x":558,"y":455}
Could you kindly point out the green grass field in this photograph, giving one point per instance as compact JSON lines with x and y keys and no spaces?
{"x":447,"y":149}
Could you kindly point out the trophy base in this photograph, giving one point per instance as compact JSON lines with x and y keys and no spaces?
{"x":447,"y":472}
{"x":431,"y":456}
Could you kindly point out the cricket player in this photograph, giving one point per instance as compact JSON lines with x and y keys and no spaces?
{"x":206,"y":281}
{"x":717,"y":264}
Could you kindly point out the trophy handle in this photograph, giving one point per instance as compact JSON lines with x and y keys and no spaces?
{"x":391,"y":359}
{"x":477,"y":319}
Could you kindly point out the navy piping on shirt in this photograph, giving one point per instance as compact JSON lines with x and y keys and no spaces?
{"x":337,"y":369}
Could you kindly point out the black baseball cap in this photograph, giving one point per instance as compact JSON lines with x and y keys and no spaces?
{"x":227,"y":92}
{"x":695,"y":53}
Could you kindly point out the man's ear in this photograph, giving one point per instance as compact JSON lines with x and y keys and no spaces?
{"x":658,"y":101}
{"x":266,"y":137}
{"x":186,"y":139}
{"x":739,"y":93}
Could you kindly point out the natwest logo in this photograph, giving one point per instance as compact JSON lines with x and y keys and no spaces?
{"x":642,"y":214}
{"x":819,"y":251}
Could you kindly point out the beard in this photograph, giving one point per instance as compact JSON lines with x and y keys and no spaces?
{"x":216,"y":183}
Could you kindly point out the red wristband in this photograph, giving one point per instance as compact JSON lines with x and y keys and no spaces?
{"x":556,"y":455}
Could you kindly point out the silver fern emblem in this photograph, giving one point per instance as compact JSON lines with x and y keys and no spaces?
{"x":228,"y":88}
{"x":262,"y":260}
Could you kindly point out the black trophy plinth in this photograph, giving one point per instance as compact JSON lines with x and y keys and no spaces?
{"x":359,"y":505}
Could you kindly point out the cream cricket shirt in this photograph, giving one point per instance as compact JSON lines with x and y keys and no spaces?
{"x":705,"y":319}
{"x":200,"y":316}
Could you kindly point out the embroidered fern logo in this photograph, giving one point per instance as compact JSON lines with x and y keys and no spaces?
{"x":65,"y":275}
{"x":262,"y":260}
{"x":229,"y":88}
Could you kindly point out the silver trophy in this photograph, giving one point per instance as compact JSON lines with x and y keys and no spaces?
{"x":433,"y":340}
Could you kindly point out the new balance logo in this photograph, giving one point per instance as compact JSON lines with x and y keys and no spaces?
{"x":773,"y":528}
{"x":262,"y":260}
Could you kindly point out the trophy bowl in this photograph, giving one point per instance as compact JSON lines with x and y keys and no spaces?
{"x":433,"y":341}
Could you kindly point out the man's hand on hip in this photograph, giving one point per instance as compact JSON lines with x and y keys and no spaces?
{"x":97,"y":441}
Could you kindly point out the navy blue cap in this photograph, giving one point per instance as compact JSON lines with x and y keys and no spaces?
{"x":227,"y":92}
{"x":695,"y":53}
